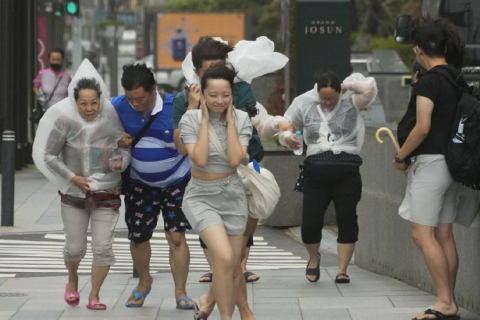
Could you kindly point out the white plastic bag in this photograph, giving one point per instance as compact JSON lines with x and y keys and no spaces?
{"x":251,"y":59}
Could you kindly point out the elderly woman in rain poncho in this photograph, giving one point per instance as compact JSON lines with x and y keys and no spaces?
{"x":76,"y":149}
{"x":333,"y":130}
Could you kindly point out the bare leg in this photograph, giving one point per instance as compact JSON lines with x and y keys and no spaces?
{"x":245,"y":259}
{"x":345,"y":253}
{"x":209,"y":260}
{"x":312,"y":250}
{"x":141,"y":253}
{"x":444,"y":236}
{"x":179,"y":262}
{"x":99,"y":273}
{"x":225,"y":251}
{"x":249,"y":231}
{"x":437,"y":264}
{"x":72,"y":267}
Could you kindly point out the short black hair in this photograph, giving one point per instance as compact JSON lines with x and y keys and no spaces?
{"x":136,"y":76}
{"x":439,"y":38}
{"x":223,"y":71}
{"x":328,"y":79}
{"x":86,"y":83}
{"x":57,"y":50}
{"x":209,"y":49}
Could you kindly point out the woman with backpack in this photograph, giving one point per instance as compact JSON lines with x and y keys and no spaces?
{"x":424,"y":133}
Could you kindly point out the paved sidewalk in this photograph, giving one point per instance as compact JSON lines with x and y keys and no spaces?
{"x":279,"y":294}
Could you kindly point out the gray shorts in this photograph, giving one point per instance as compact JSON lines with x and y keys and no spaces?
{"x":430,"y":198}
{"x":223,"y":201}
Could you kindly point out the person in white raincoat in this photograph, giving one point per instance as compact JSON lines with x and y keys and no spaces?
{"x":333,"y":131}
{"x":76,"y":149}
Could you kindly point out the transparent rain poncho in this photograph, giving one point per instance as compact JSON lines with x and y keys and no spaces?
{"x":251,"y":59}
{"x":67,"y":145}
{"x":339,"y":130}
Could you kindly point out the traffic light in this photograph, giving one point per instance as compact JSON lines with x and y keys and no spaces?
{"x":58,"y":9}
{"x":72,"y":7}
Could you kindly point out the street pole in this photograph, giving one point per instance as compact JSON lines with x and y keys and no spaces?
{"x":287,"y":53}
{"x":77,"y":42}
{"x":8,"y":177}
{"x":114,"y":64}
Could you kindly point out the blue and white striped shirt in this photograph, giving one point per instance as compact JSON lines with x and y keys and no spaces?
{"x":155,"y":160}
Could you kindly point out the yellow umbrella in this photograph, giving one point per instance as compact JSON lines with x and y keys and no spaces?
{"x":390,"y":133}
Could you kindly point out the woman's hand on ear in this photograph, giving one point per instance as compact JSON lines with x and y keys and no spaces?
{"x":203,"y":107}
{"x":229,"y":114}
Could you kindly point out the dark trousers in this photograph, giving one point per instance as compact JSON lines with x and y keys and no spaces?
{"x":324,"y":183}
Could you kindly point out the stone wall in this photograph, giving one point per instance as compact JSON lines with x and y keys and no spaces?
{"x":385,"y":244}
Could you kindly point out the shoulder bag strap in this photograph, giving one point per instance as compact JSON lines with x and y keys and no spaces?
{"x":54,"y":88}
{"x":144,"y":129}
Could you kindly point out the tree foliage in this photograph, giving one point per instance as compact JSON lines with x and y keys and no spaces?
{"x":377,"y":17}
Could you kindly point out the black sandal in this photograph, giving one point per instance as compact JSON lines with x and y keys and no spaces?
{"x":198,"y":314}
{"x":342,"y":278}
{"x":207,"y":275}
{"x":314,"y":271}
{"x":439,"y":315}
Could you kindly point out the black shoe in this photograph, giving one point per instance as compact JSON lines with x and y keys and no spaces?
{"x":313,"y":271}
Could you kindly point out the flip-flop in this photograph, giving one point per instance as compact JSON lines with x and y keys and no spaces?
{"x":199,"y":315}
{"x":342,"y":278}
{"x":96,"y":305}
{"x":207,"y":275}
{"x":138,"y":295}
{"x":184,"y":307}
{"x":313,"y":271}
{"x":439,"y":315}
{"x":68,"y":295}
{"x":247,"y":275}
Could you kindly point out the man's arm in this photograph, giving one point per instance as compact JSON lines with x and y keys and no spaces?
{"x":178,"y":144}
{"x":179,"y":110}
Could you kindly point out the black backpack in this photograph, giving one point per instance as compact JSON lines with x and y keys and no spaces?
{"x":463,"y":148}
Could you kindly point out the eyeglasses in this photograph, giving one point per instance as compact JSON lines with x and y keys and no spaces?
{"x":328,"y":100}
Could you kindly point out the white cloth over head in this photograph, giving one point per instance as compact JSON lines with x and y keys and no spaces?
{"x":251,"y":59}
{"x":67,"y":145}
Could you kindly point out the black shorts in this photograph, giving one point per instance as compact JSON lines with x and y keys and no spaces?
{"x":143,"y":205}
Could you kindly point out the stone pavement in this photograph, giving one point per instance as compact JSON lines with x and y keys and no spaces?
{"x":279,"y":294}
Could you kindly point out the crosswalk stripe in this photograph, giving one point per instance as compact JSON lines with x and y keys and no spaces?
{"x":18,"y":257}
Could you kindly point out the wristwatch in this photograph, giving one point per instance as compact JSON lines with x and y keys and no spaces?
{"x":399,"y":160}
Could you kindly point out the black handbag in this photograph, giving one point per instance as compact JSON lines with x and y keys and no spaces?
{"x":126,"y":172}
{"x":39,"y":110}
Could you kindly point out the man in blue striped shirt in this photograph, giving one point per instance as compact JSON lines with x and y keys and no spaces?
{"x":158,"y":177}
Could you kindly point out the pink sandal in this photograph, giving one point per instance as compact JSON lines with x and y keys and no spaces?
{"x":96,"y":305}
{"x":69,"y":295}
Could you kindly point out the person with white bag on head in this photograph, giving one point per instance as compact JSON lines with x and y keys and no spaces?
{"x":252,"y":59}
{"x":215,"y":201}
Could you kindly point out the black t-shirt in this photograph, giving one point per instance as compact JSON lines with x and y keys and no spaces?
{"x":435,"y":87}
